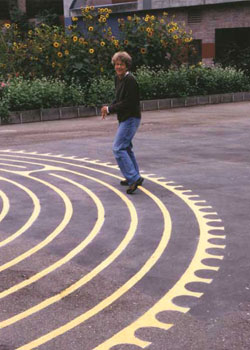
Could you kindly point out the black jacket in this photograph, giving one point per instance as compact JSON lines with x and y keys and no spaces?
{"x":127,"y":100}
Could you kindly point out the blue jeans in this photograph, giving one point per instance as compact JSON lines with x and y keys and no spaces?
{"x":123,"y":149}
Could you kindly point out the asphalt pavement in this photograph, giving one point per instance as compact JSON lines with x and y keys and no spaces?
{"x":84,"y":266}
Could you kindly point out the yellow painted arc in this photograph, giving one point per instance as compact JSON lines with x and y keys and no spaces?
{"x":31,"y":220}
{"x":14,"y":166}
{"x":79,"y":248}
{"x":127,"y":335}
{"x":67,"y":216}
{"x":180,"y":290}
{"x":129,"y":235}
{"x":85,"y":242}
{"x":6,"y":205}
{"x":122,"y":290}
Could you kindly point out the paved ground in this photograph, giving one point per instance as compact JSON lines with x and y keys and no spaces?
{"x":85,"y":266}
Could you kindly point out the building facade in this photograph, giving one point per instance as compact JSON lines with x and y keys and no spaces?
{"x":214,"y":23}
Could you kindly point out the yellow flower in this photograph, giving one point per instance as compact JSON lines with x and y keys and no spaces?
{"x":162,"y":21}
{"x":59,"y":54}
{"x":53,"y":64}
{"x":75,"y":38}
{"x":176,"y":37}
{"x":153,"y":18}
{"x":74,"y":19}
{"x":91,"y":29}
{"x":81,"y":40}
{"x":91,"y":51}
{"x":129,"y":18}
{"x":56,"y":44}
{"x":7,"y":25}
{"x":102,"y":43}
{"x":70,"y":27}
{"x":66,"y":52}
{"x":92,"y":8}
{"x":148,"y":29}
{"x":143,"y":51}
{"x":30,"y":32}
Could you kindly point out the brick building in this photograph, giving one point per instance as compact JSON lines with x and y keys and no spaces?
{"x":215,"y":24}
{"x":31,"y":7}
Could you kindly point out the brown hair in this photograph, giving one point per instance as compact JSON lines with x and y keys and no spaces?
{"x":124,"y":57}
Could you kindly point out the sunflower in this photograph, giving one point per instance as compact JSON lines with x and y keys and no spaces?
{"x":91,"y":51}
{"x":7,"y":25}
{"x":90,"y":29}
{"x":56,"y":44}
{"x":59,"y":54}
{"x":143,"y":50}
{"x":66,"y":52}
{"x":102,"y":43}
{"x":75,"y":38}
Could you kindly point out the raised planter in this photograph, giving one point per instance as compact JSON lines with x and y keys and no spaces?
{"x":39,"y":115}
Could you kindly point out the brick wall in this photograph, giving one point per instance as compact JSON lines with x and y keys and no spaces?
{"x":212,"y":18}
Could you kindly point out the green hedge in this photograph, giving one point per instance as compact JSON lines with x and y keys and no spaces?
{"x":182,"y":82}
{"x":20,"y":94}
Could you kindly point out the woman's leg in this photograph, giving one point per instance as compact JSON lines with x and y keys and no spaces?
{"x":121,"y":148}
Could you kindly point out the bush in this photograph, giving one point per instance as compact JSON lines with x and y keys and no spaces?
{"x":185,"y":81}
{"x":24,"y":94}
{"x":84,"y":51}
{"x":20,"y":94}
{"x":100,"y":91}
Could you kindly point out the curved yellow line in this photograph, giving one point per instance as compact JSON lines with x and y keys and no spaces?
{"x":32,"y":219}
{"x":149,"y":319}
{"x":52,"y":236}
{"x":6,"y":205}
{"x":122,"y":290}
{"x":129,"y":235}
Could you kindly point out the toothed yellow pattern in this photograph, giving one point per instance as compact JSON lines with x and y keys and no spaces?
{"x":167,"y":302}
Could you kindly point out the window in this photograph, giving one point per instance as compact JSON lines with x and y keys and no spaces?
{"x":34,"y":7}
{"x":4,"y":9}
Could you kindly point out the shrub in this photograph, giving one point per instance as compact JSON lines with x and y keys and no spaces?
{"x":100,"y":91}
{"x":41,"y":93}
{"x":85,"y":49}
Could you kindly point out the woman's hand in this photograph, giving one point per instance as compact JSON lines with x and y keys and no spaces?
{"x":104,"y":111}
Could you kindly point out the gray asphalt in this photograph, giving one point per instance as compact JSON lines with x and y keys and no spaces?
{"x":205,"y":149}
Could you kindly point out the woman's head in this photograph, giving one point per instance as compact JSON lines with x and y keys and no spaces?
{"x":123,"y":57}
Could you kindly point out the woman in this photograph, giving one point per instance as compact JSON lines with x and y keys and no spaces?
{"x":127,"y":107}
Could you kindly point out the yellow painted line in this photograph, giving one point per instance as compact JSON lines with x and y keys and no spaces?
{"x":15,"y":166}
{"x":6,"y":205}
{"x":52,"y":236}
{"x":128,"y":237}
{"x":32,"y":218}
{"x":120,"y":291}
{"x":149,"y":319}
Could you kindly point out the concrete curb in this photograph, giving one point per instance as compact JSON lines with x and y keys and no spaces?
{"x":40,"y":115}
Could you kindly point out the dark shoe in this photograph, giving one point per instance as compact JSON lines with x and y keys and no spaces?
{"x":134,"y":186}
{"x":124,"y":183}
